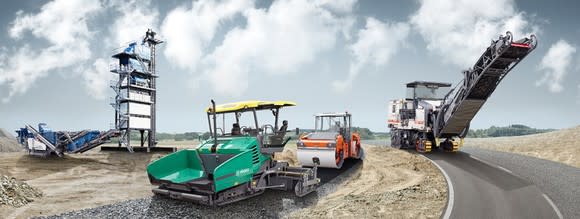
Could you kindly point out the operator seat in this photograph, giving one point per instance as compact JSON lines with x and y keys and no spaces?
{"x":276,"y":139}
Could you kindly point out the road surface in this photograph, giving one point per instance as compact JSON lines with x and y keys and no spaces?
{"x":489,"y":184}
{"x":560,"y":182}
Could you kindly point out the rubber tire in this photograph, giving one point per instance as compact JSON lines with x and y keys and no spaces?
{"x":395,"y":141}
{"x":358,"y":150}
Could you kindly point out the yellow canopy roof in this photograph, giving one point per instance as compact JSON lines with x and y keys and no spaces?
{"x":249,"y":105}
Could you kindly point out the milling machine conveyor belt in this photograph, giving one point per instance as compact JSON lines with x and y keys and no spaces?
{"x":462,"y":103}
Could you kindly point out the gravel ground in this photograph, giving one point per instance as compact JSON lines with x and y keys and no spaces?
{"x":160,"y":207}
{"x":560,"y":182}
{"x":271,"y":204}
{"x":388,"y":183}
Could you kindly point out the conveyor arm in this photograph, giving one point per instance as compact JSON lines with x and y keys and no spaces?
{"x":99,"y":140}
{"x":462,"y":103}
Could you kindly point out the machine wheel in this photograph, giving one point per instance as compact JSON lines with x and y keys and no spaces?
{"x":339,"y":157}
{"x":358,"y":151}
{"x":428,"y":146}
{"x":356,"y":154}
{"x":455,"y":146}
{"x":395,"y":141}
{"x":450,"y":146}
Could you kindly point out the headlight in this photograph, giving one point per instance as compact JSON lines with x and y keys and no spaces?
{"x":331,"y":144}
{"x":300,"y":144}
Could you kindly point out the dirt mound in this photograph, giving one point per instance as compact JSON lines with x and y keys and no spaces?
{"x":288,"y":156}
{"x":561,"y":146}
{"x":9,"y":145}
{"x":391,"y":184}
{"x":5,"y":134}
{"x":15,"y":193}
{"x":77,"y":181}
{"x":8,"y":142}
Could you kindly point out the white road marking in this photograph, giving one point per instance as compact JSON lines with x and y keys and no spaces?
{"x":509,"y":171}
{"x":451,"y":192}
{"x":553,"y":206}
{"x":480,"y":160}
{"x":490,"y":164}
{"x":504,"y":169}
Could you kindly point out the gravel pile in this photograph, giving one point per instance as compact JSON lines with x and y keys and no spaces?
{"x":4,"y":133}
{"x":271,"y":204}
{"x":8,"y":142}
{"x":15,"y":193}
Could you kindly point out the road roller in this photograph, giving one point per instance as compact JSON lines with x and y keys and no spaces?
{"x":332,"y":141}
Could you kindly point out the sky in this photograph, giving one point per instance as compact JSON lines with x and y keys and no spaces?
{"x":326,"y":55}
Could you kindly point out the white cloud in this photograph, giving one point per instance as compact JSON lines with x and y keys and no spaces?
{"x":277,"y":40}
{"x":459,"y":31}
{"x":578,"y":99}
{"x":375,"y":46}
{"x":188,"y":31}
{"x":338,"y":6}
{"x":133,"y":20}
{"x":135,"y":17}
{"x":63,"y":24}
{"x":578,"y":63}
{"x":97,"y":79}
{"x":60,"y":22}
{"x":556,"y":64}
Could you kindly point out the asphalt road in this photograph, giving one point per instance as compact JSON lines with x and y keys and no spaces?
{"x":480,"y":188}
{"x":560,"y":182}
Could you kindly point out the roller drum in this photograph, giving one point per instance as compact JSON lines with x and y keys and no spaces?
{"x":327,"y":157}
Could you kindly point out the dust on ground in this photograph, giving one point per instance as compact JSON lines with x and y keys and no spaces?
{"x":288,"y":154}
{"x":561,"y":146}
{"x":77,"y":181}
{"x":391,"y":184}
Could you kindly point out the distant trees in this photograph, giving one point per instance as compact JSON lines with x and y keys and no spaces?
{"x":187,"y":136}
{"x":512,"y":130}
{"x":365,"y":133}
{"x":205,"y":136}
